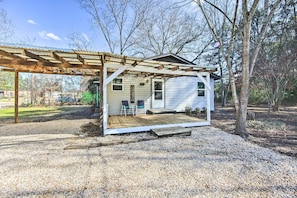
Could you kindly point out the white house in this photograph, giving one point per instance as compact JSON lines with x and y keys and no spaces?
{"x":163,"y":93}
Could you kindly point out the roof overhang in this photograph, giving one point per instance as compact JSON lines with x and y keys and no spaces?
{"x":87,"y":63}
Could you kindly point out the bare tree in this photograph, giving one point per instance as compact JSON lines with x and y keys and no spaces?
{"x":277,"y":58}
{"x":117,"y":20}
{"x":248,"y":58}
{"x":6,"y":27}
{"x":168,"y":29}
{"x":79,"y":41}
{"x":220,"y":53}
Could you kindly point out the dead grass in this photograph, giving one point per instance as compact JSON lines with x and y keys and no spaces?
{"x":277,"y":131}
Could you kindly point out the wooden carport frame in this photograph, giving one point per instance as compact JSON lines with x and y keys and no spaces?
{"x":86,"y":63}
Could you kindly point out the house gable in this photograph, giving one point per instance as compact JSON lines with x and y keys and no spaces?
{"x":173,"y":58}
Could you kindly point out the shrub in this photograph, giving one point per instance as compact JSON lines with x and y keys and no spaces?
{"x":88,"y":98}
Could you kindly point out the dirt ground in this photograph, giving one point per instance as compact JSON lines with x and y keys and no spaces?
{"x":277,"y":131}
{"x":209,"y":163}
{"x":44,"y":158}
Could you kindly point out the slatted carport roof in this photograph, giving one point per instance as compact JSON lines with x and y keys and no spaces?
{"x":87,"y":63}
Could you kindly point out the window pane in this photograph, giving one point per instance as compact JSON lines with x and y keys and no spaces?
{"x":117,"y":87}
{"x":201,"y":93}
{"x":201,"y":85}
{"x":158,"y":95}
{"x":158,"y":85}
{"x":117,"y":81}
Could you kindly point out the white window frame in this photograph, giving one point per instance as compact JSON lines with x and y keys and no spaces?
{"x":200,"y":89}
{"x":117,"y":84}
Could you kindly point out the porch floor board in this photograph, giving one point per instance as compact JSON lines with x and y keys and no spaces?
{"x":149,"y":120}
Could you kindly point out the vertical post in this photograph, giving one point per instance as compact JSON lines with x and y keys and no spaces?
{"x":105,"y":105}
{"x":208,"y":96}
{"x":101,"y":110}
{"x":97,"y":99}
{"x":16,"y":97}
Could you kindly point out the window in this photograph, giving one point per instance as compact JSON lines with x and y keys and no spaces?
{"x":158,"y":90}
{"x":117,"y":84}
{"x":201,"y":89}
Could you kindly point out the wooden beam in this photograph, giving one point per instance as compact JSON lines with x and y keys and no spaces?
{"x":81,"y":59}
{"x":123,"y":61}
{"x":134,"y":64}
{"x":189,"y":69}
{"x":10,"y":55}
{"x":160,"y":67}
{"x":33,"y":56}
{"x":174,"y":68}
{"x":202,"y":70}
{"x":106,"y":58}
{"x":59,"y":58}
{"x":16,"y":97}
{"x":102,"y":101}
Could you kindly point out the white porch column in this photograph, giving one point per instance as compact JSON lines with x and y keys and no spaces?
{"x":105,"y":105}
{"x":208,"y":89}
{"x":106,"y":81}
{"x":208,"y":97}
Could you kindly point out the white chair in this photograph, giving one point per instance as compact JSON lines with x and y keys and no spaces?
{"x":140,"y":106}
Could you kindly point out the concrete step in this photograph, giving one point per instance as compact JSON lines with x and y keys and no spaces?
{"x":171,"y":131}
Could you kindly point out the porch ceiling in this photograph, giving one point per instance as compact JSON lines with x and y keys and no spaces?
{"x":87,"y":63}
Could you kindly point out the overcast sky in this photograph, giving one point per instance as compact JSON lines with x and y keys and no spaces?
{"x":49,"y":22}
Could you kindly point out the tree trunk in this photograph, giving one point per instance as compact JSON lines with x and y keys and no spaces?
{"x":225,"y":94}
{"x":277,"y":104}
{"x":244,"y":93}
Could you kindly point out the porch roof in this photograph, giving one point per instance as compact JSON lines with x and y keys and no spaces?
{"x":88,"y":63}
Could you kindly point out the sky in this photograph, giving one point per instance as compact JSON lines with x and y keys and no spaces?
{"x":48,"y":23}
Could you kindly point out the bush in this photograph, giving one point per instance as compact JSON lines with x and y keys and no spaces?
{"x":88,"y":98}
{"x":257,"y":96}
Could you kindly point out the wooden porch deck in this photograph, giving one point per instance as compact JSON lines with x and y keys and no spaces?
{"x":149,"y":120}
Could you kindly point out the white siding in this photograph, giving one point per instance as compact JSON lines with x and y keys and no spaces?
{"x":182,"y":92}
{"x":114,"y":98}
{"x":179,"y":93}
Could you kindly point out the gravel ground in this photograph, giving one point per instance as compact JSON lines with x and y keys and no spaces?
{"x":209,"y":163}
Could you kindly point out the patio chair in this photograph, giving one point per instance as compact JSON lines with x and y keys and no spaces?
{"x":126,"y":108}
{"x":140,"y":106}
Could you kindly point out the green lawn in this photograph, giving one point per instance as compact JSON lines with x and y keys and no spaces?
{"x":29,"y":111}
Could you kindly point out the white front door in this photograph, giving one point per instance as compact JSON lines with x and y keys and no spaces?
{"x":158,"y":101}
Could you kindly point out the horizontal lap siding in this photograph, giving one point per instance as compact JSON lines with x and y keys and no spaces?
{"x":114,"y":98}
{"x":182,"y":92}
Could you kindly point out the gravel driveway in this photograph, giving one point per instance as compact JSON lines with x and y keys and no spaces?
{"x":209,"y":163}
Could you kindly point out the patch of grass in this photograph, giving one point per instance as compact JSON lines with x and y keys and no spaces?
{"x":29,"y":111}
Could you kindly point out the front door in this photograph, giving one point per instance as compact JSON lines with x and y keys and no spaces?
{"x":158,"y":101}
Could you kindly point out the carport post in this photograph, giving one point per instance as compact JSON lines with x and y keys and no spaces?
{"x":101,"y":104}
{"x":16,"y":97}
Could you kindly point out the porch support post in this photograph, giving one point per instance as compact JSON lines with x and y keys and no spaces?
{"x":105,"y":105}
{"x":208,"y":97}
{"x":16,"y":97}
{"x":208,"y":89}
{"x":101,"y":91}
